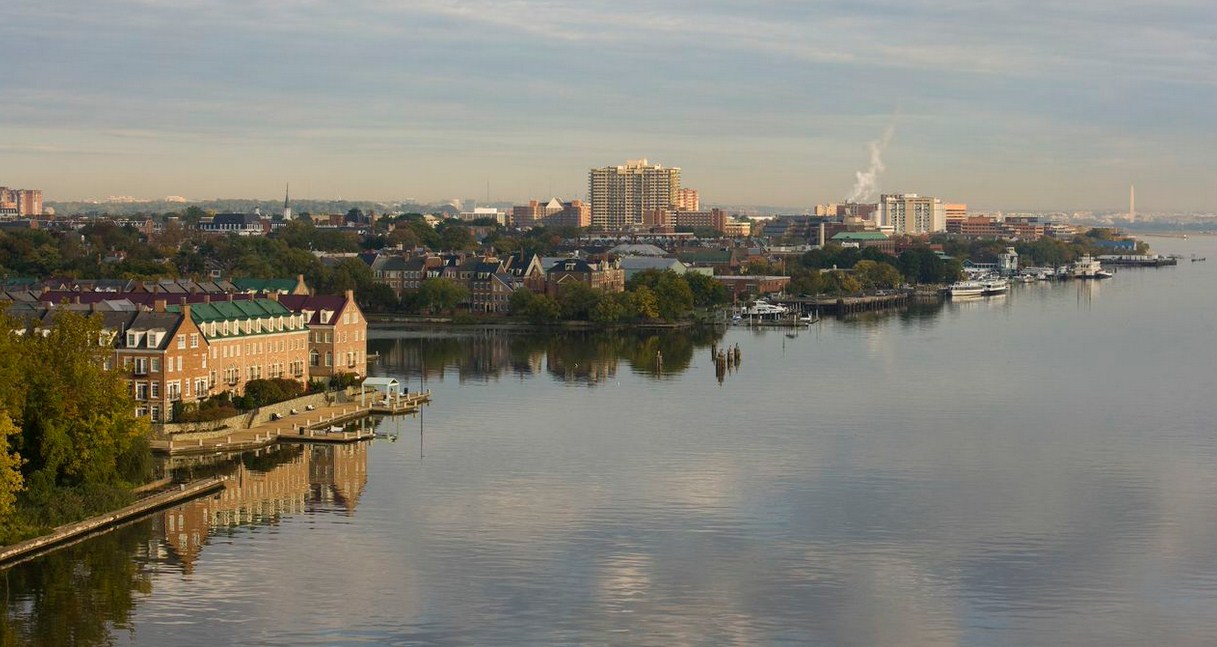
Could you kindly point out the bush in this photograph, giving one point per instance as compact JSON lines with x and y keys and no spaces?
{"x":344,"y":380}
{"x":259,"y":393}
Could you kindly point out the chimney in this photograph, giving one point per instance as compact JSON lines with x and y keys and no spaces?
{"x":158,"y":305}
{"x":273,"y":295}
{"x":185,"y":312}
{"x":206,"y":298}
{"x":183,"y":302}
{"x":228,"y":295}
{"x":350,"y":294}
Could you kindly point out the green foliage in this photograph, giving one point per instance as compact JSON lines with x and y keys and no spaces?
{"x":645,"y":302}
{"x":440,"y":294}
{"x":344,"y":380}
{"x":707,"y":291}
{"x":260,"y":393}
{"x":78,"y":419}
{"x":838,"y":282}
{"x":875,"y":275}
{"x":542,"y":309}
{"x":11,"y":481}
{"x":577,"y":300}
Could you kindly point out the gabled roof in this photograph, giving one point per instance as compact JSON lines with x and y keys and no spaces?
{"x":234,"y":310}
{"x":314,"y":304}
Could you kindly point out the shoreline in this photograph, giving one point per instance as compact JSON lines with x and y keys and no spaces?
{"x":72,"y":533}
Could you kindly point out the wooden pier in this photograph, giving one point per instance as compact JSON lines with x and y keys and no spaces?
{"x":849,"y":305}
{"x":316,"y":426}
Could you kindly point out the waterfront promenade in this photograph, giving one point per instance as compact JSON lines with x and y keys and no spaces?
{"x":303,"y":426}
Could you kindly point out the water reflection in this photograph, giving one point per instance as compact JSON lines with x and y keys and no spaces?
{"x":575,"y":357}
{"x":84,"y":594}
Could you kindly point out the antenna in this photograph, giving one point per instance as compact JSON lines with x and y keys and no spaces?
{"x":1132,"y":203}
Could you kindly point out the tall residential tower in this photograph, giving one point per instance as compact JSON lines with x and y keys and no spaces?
{"x":621,"y":196}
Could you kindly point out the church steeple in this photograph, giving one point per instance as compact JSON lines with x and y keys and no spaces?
{"x":287,"y":207}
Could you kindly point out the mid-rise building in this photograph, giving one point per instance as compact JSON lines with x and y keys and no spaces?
{"x":687,"y":200}
{"x":250,"y":339}
{"x":620,"y":196}
{"x":20,"y":202}
{"x":909,"y":213}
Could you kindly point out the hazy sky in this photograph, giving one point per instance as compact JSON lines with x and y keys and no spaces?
{"x":999,"y":103}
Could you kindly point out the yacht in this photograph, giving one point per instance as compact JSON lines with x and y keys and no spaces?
{"x":761,"y":308}
{"x":1087,"y":267}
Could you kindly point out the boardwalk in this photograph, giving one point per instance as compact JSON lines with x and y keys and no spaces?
{"x":305,"y":426}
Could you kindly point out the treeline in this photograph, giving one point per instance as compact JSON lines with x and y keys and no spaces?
{"x":70,"y":444}
{"x":650,"y":295}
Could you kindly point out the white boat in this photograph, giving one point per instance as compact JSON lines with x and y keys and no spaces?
{"x":764,"y":309}
{"x":1087,"y":267}
{"x":966,"y":289}
{"x":994,"y":286}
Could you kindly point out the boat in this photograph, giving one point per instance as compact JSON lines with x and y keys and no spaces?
{"x":762,"y":308}
{"x":990,"y":287}
{"x":1087,"y":267}
{"x":966,"y":289}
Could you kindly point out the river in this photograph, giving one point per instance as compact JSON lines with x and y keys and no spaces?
{"x":1038,"y":468}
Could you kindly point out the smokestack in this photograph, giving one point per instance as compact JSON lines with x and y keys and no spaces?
{"x":1132,"y":203}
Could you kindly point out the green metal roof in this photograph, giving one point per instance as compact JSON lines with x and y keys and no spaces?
{"x":203,"y":313}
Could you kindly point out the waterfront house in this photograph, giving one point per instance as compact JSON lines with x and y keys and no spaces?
{"x":338,"y":333}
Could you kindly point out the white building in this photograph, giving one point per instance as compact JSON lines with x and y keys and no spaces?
{"x":909,"y":213}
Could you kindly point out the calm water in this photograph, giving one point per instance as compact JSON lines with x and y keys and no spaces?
{"x":1034,"y":469}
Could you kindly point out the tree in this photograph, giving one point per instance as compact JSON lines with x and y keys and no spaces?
{"x":675,"y":297}
{"x":10,"y":467}
{"x":438,"y":294}
{"x":876,"y":275}
{"x":577,"y":300}
{"x":646,"y":304}
{"x":542,"y":309}
{"x":520,"y":300}
{"x":839,"y":282}
{"x":707,"y":291}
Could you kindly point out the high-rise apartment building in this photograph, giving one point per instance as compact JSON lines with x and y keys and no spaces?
{"x":909,"y":213}
{"x":687,"y":200}
{"x":621,"y":195}
{"x":20,"y":202}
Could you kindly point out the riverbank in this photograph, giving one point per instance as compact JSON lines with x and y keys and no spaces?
{"x":71,"y":533}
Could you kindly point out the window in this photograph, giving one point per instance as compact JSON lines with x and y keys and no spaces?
{"x":194,"y":340}
{"x":132,"y":340}
{"x":314,"y":358}
{"x":181,"y":341}
{"x":179,"y":363}
{"x":141,"y":366}
{"x":329,"y":358}
{"x":155,"y":413}
{"x":156,"y":364}
{"x":155,"y":390}
{"x":200,"y":387}
{"x":173,"y":390}
{"x":141,"y":390}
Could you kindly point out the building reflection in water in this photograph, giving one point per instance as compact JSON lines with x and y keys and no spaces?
{"x":263,"y":489}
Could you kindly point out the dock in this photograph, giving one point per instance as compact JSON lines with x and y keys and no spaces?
{"x":850,"y":305}
{"x":316,"y":426}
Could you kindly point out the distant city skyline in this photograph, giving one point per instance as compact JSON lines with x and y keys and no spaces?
{"x":1024,"y":106}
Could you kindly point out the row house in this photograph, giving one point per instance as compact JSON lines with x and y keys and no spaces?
{"x":490,"y":289}
{"x":167,"y":358}
{"x":338,"y":333}
{"x":249,"y":340}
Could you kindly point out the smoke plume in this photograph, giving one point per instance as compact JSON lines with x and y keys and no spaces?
{"x":866,"y":184}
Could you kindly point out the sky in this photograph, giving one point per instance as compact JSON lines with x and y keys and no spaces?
{"x":1002,"y":104}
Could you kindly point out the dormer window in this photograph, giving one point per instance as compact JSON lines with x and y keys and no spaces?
{"x":325,"y":316}
{"x":132,"y":339}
